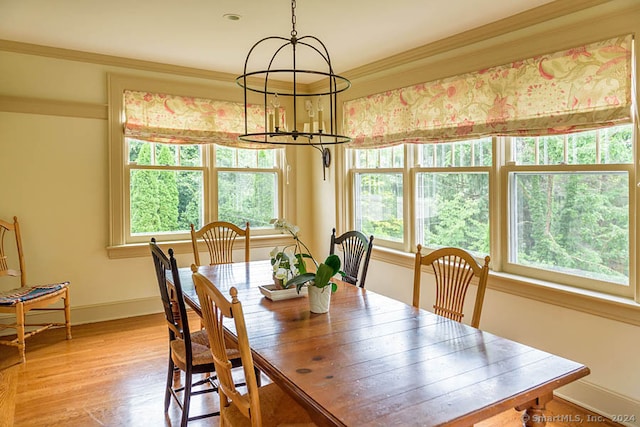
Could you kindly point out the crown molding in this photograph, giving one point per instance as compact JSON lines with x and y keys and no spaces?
{"x":115,"y":61}
{"x":516,"y":22}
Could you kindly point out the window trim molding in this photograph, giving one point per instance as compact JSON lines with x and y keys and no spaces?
{"x":137,"y":250}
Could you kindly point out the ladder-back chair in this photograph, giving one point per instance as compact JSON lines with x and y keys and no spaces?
{"x":20,"y":301}
{"x":259,"y":406}
{"x":454,"y":269}
{"x":355,"y":247}
{"x":220,"y":236}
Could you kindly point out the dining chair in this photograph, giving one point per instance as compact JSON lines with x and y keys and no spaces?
{"x":454,"y":269}
{"x":188,"y":351}
{"x":355,"y":246}
{"x":22,"y":300}
{"x":259,"y":406}
{"x":220,"y":236}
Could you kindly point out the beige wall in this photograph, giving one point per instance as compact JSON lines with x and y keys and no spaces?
{"x":55,"y":171}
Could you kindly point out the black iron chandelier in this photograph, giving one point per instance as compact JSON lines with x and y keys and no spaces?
{"x":321,"y":127}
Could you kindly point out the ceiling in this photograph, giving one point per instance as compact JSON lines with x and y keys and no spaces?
{"x":194,"y":33}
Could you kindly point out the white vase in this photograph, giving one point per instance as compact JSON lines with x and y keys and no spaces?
{"x":319,"y":299}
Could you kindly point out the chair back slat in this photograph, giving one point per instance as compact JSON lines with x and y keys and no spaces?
{"x":355,"y":247}
{"x":5,"y":229}
{"x":219,"y":238}
{"x":454,"y":270}
{"x":172,"y":298}
{"x":215,"y":310}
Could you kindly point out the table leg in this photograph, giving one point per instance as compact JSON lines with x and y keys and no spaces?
{"x":534,"y":411}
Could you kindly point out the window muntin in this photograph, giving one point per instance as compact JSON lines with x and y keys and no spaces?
{"x":475,"y":152}
{"x":613,"y":145}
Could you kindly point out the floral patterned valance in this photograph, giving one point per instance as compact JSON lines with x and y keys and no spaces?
{"x":576,"y":89}
{"x":173,"y":119}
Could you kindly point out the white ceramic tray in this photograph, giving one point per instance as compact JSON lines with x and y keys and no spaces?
{"x":274,"y":294}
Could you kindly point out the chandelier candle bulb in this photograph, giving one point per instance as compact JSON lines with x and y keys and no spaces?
{"x":320,"y":124}
{"x":270,"y":122}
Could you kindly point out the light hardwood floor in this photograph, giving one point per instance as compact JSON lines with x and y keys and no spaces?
{"x":113,"y":374}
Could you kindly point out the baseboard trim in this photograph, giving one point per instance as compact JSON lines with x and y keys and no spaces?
{"x":97,"y":312}
{"x":603,"y":401}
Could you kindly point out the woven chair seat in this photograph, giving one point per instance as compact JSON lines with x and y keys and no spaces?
{"x":29,"y":293}
{"x":201,"y":352}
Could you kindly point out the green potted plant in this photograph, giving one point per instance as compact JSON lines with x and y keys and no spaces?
{"x":318,"y":283}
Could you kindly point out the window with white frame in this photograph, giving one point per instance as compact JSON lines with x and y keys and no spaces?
{"x":247,"y":186}
{"x":167,"y":187}
{"x":568,"y":200}
{"x":452,"y":195}
{"x":379,"y":193}
{"x":166,"y":175}
{"x":569,"y":208}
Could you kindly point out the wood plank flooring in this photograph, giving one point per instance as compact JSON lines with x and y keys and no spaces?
{"x":113,"y":373}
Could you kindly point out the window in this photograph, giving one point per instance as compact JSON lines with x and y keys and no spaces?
{"x":165,"y":174}
{"x":379,"y":193}
{"x":166,"y":187}
{"x":452,"y":195}
{"x":567,"y":202}
{"x":248,"y":182}
{"x":569,"y":208}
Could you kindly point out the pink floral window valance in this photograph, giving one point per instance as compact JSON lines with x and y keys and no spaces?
{"x":576,"y":89}
{"x":173,"y":119}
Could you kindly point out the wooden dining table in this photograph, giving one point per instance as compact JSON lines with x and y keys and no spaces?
{"x":375,"y":361}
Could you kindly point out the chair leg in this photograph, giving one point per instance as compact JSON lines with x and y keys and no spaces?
{"x":67,"y":313}
{"x":258,"y":376}
{"x":20,"y":329}
{"x":186,"y":399}
{"x":167,"y":390}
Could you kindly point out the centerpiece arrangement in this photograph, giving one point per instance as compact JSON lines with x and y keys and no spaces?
{"x":290,"y":269}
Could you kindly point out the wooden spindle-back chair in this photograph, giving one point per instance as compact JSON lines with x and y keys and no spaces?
{"x":454,"y":269}
{"x":220,"y":236}
{"x":355,"y":248}
{"x":259,"y":406}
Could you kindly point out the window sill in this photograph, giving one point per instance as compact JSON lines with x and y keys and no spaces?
{"x":595,"y":303}
{"x":136,"y":250}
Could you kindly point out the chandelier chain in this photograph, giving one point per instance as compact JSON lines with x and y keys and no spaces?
{"x":293,"y":19}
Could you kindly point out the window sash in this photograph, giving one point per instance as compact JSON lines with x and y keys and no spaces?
{"x":558,"y":276}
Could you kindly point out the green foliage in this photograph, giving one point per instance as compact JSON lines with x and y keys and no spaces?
{"x":247,"y":196}
{"x":145,"y":216}
{"x":574,"y":223}
{"x":326,"y":270}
